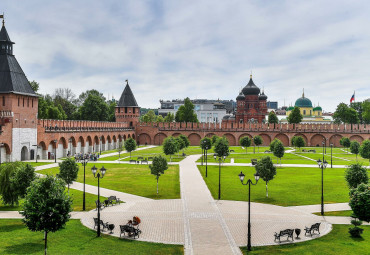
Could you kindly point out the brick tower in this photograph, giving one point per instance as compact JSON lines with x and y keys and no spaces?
{"x":18,"y":106}
{"x":127,"y":109}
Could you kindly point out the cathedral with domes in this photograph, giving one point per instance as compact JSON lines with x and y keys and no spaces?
{"x":251,"y":105}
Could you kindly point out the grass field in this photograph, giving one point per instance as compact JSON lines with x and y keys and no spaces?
{"x":15,"y":238}
{"x":291,"y":186}
{"x":133,"y":179}
{"x":338,"y":241}
{"x":76,"y":195}
{"x":337,"y":213}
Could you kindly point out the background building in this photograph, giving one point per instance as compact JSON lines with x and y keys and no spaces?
{"x":272,"y":105}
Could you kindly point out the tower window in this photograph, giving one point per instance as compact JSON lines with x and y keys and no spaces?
{"x":133,"y":111}
{"x":125,"y":109}
{"x":3,"y":100}
{"x":18,"y":101}
{"x":28,"y":102}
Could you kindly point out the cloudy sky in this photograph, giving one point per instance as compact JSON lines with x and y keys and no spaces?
{"x":198,"y":49}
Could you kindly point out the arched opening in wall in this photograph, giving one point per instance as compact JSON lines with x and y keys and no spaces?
{"x":124,"y":138}
{"x":42,"y":151}
{"x":316,"y":140}
{"x":24,"y":153}
{"x":304,"y":138}
{"x":335,"y":140}
{"x":194,"y":139}
{"x":133,"y":136}
{"x":266,"y":139}
{"x":356,"y":138}
{"x":128,"y":136}
{"x":158,"y":138}
{"x":32,"y":154}
{"x":71,"y":146}
{"x":242,"y":135}
{"x":5,"y":153}
{"x":283,"y":138}
{"x":176,"y":134}
{"x":144,"y":139}
{"x":231,"y":139}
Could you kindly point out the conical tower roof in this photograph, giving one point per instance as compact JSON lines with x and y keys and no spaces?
{"x":127,"y":98}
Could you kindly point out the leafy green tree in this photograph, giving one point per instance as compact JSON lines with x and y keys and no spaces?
{"x":279,"y":150}
{"x":130,"y":145}
{"x":358,"y":107}
{"x":160,"y":119}
{"x":266,"y":170}
{"x":35,"y":86}
{"x":185,"y":140}
{"x":221,"y":147}
{"x":12,"y":183}
{"x":206,"y":143}
{"x":299,"y":142}
{"x":272,"y":118}
{"x":352,"y":116}
{"x":340,"y":114}
{"x":257,"y":140}
{"x":186,"y":113}
{"x":345,"y":142}
{"x":23,"y":176}
{"x":94,"y":108}
{"x":149,"y":117}
{"x":112,"y":110}
{"x":245,"y":141}
{"x":68,"y":171}
{"x":355,"y":175}
{"x":293,"y":141}
{"x":295,"y":116}
{"x":179,"y":116}
{"x":355,"y":147}
{"x":170,"y":146}
{"x":180,"y":144}
{"x":366,"y":112}
{"x":273,"y":143}
{"x":170,"y":117}
{"x":360,"y":201}
{"x":47,"y":206}
{"x":158,"y":166}
{"x":365,"y":149}
{"x":84,"y":95}
{"x":214,"y":139}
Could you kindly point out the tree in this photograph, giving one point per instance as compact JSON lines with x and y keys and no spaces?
{"x":14,"y":181}
{"x":68,"y":171}
{"x":119,"y":149}
{"x":170,"y":117}
{"x":299,"y":142}
{"x":345,"y":142}
{"x":245,"y":141}
{"x":221,"y":147}
{"x":185,"y":140}
{"x":130,"y":145}
{"x":160,"y":119}
{"x":355,"y":175}
{"x":158,"y":166}
{"x":84,"y":95}
{"x":273,"y":143}
{"x":293,"y":141}
{"x":170,"y":146}
{"x":47,"y":206}
{"x":360,"y":201}
{"x":295,"y":116}
{"x":352,"y":116}
{"x":266,"y":169}
{"x":358,"y":107}
{"x":279,"y":150}
{"x":180,"y":144}
{"x":186,"y":113}
{"x":179,"y":116}
{"x":35,"y":86}
{"x":366,"y":112}
{"x":206,"y":142}
{"x":214,"y":139}
{"x":365,"y":149}
{"x":355,"y":147}
{"x":272,"y":118}
{"x":340,"y":114}
{"x":94,"y":108}
{"x":149,"y":117}
{"x":257,"y":140}
{"x":112,"y":110}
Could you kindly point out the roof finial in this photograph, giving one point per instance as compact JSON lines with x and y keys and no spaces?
{"x":126,"y":82}
{"x":2,"y":17}
{"x":303,"y":93}
{"x":251,"y":74}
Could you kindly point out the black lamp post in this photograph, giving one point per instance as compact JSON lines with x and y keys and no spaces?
{"x":220,"y":159}
{"x":206,"y":149}
{"x":84,"y":163}
{"x":1,"y":145}
{"x":249,"y":182}
{"x":99,"y":176}
{"x":37,"y":148}
{"x":331,"y":155}
{"x":70,"y":147}
{"x":55,"y":151}
{"x":203,"y":143}
{"x":100,"y":138}
{"x":322,"y":165}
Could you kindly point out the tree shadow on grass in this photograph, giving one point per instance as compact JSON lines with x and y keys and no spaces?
{"x":10,"y":228}
{"x":357,"y":239}
{"x":24,"y":248}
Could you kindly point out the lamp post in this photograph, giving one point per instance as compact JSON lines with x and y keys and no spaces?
{"x":249,"y":182}
{"x":99,"y":176}
{"x":203,"y":143}
{"x":1,"y":145}
{"x":220,"y":159}
{"x":331,"y":155}
{"x":84,"y":163}
{"x":206,"y":149}
{"x":37,"y":148}
{"x":70,"y":147}
{"x":322,"y":165}
{"x":55,"y":151}
{"x":100,"y":138}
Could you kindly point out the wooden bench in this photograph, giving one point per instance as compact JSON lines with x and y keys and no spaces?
{"x":232,"y":151}
{"x":99,"y":204}
{"x":312,"y":229}
{"x":286,"y":232}
{"x":254,"y":162}
{"x":132,"y":161}
{"x":144,"y":161}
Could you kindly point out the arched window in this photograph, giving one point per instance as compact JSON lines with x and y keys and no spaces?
{"x":304,"y":112}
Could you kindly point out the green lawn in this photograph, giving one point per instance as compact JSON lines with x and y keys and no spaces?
{"x":15,"y":238}
{"x":133,"y":179}
{"x":34,"y":164}
{"x":76,"y":195}
{"x":337,"y":213}
{"x":338,"y":241}
{"x":291,"y":186}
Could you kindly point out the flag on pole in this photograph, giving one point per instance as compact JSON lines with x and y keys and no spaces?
{"x":352,"y":98}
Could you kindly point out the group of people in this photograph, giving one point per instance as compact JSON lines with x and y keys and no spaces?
{"x":89,"y":156}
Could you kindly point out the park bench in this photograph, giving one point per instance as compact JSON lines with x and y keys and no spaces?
{"x":132,"y":161}
{"x":286,"y":232}
{"x":114,"y":198}
{"x":131,"y":228}
{"x":104,"y":225}
{"x":254,"y":162}
{"x":96,"y":222}
{"x":232,"y":151}
{"x":267,"y":151}
{"x":144,"y":161}
{"x":312,"y":229}
{"x":183,"y":154}
{"x":99,"y":204}
{"x":150,"y":158}
{"x":304,"y":150}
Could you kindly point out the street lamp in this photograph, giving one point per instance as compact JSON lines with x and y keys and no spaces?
{"x":99,"y":176}
{"x":203,"y":143}
{"x":100,"y":138}
{"x":55,"y":150}
{"x":84,"y":163}
{"x":220,"y":159}
{"x":70,"y":147}
{"x":331,"y":155}
{"x":206,"y":149}
{"x":249,"y":182}
{"x":1,"y":145}
{"x":37,"y":148}
{"x":322,"y":165}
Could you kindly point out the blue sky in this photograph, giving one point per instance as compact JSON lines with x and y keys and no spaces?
{"x":198,"y":49}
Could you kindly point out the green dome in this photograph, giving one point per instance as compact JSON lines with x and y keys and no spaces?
{"x":303,"y":102}
{"x":290,"y":108}
{"x":317,"y":108}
